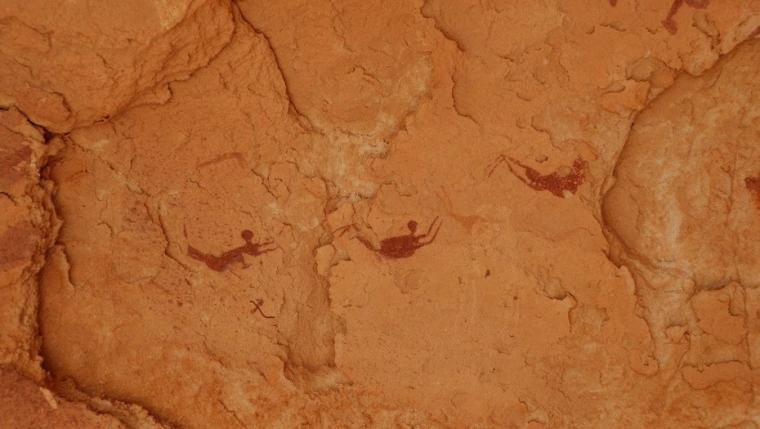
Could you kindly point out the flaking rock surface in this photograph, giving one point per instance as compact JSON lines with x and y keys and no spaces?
{"x":485,"y":214}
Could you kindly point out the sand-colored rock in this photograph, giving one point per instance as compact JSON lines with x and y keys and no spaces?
{"x":27,"y":229}
{"x":239,"y":214}
{"x":70,"y":64}
{"x":23,"y":404}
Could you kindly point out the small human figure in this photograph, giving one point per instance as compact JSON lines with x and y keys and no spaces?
{"x":404,"y":246}
{"x":220,"y":263}
{"x":557,"y":182}
{"x":258,"y":303}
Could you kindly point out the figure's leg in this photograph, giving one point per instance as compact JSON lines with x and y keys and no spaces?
{"x":236,"y":257}
{"x":211,"y":261}
{"x":195,"y":253}
{"x":496,"y":162}
{"x":342,"y":230}
{"x":515,"y":172}
{"x":367,"y":243}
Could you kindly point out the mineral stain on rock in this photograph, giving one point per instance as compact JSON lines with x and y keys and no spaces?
{"x":753,"y":185}
{"x":669,"y":22}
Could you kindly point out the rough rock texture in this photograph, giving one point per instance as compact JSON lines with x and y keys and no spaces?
{"x":68,"y":64}
{"x":239,"y":214}
{"x":23,"y":404}
{"x":26,"y":232}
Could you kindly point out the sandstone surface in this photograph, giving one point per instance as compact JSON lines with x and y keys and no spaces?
{"x":380,"y":213}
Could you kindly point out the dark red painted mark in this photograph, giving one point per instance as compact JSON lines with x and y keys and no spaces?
{"x":613,"y":3}
{"x":404,"y":246}
{"x":220,"y":263}
{"x":555,"y":183}
{"x":258,"y":303}
{"x":753,"y":184}
{"x":669,"y":23}
{"x":223,"y":157}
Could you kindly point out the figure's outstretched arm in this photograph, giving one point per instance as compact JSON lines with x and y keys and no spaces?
{"x":259,"y":249}
{"x":427,"y":238}
{"x":269,"y":243}
{"x":430,"y":228}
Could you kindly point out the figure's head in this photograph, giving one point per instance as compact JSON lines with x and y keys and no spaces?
{"x":412,"y":226}
{"x":247,"y":235}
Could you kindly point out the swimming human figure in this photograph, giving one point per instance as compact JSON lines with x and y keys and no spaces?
{"x":220,"y":263}
{"x":557,"y":182}
{"x":404,"y":246}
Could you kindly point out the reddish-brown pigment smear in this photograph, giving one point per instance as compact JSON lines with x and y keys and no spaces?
{"x":613,"y":3}
{"x":555,"y":183}
{"x":753,"y":184}
{"x":221,"y":262}
{"x":669,"y":23}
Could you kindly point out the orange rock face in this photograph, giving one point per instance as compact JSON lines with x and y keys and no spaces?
{"x":438,"y":214}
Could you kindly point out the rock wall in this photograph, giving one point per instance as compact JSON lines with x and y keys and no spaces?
{"x":240,"y":214}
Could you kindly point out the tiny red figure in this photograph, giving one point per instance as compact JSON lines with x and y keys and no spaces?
{"x":404,"y":246}
{"x":220,"y":263}
{"x":258,"y":303}
{"x":556,"y":183}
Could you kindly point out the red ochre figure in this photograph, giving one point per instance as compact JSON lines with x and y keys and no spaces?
{"x":669,"y":23}
{"x":258,"y":303}
{"x":555,"y":183}
{"x":753,"y":185}
{"x":220,"y":263}
{"x":404,"y":246}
